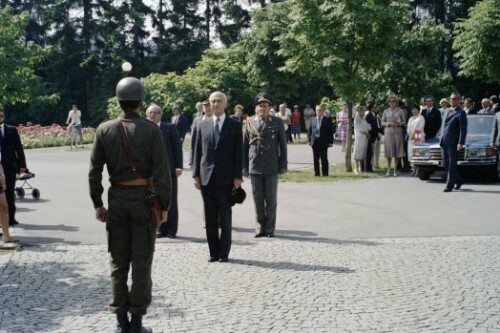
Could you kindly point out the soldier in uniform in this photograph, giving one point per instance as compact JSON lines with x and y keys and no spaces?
{"x":129,"y":224}
{"x":264,"y":156}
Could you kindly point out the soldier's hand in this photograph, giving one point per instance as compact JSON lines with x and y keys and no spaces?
{"x":178,"y":172}
{"x":164,"y":216}
{"x":101,"y":214}
{"x":237,"y":183}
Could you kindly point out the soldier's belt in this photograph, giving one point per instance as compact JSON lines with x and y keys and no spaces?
{"x":134,"y":182}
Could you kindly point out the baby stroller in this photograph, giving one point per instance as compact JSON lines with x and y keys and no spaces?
{"x":21,"y":190}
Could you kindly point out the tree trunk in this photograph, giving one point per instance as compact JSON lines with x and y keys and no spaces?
{"x":87,"y":16}
{"x":207,"y":19}
{"x":348,"y":156}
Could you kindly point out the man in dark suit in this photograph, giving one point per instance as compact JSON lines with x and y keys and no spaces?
{"x":495,"y":131}
{"x":495,"y":107}
{"x":372,"y":120}
{"x":13,"y":162}
{"x":469,"y":106}
{"x":173,"y":148}
{"x":217,"y":169}
{"x":180,"y":122}
{"x":432,"y":117}
{"x":453,"y":134}
{"x":206,"y":112}
{"x":264,"y":156}
{"x":320,"y":139}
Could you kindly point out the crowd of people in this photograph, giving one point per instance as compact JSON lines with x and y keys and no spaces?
{"x":224,"y":149}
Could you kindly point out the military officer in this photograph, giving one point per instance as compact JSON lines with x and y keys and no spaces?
{"x":129,"y":224}
{"x":264,"y":156}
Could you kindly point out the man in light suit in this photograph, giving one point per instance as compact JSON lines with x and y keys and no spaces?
{"x":13,"y":162}
{"x":320,"y":139}
{"x":216,"y":171}
{"x":264,"y":156}
{"x":453,"y":134}
{"x":173,"y":148}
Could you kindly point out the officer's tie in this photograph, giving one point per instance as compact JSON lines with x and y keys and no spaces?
{"x":1,"y":135}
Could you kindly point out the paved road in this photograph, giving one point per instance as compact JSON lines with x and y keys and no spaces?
{"x":377,"y":255}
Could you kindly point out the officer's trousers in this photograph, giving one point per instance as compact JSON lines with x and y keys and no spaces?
{"x":131,"y":241}
{"x":265,"y":197}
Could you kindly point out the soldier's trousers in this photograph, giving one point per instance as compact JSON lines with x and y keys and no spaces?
{"x":265,"y":197}
{"x":131,"y":241}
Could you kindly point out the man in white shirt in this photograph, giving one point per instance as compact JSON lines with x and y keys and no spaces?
{"x":75,"y":123}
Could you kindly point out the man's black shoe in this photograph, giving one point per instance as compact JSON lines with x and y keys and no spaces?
{"x":213,"y":259}
{"x":161,"y":235}
{"x":458,"y":186}
{"x":14,"y":222}
{"x":260,"y":234}
{"x":123,"y":324}
{"x":171,"y":236}
{"x":136,"y":325}
{"x":223,"y":259}
{"x":447,"y":190}
{"x":270,"y":235}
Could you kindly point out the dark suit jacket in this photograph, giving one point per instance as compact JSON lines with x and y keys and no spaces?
{"x":223,"y":162}
{"x":454,"y":128}
{"x":182,"y":126}
{"x":173,"y":146}
{"x":472,"y":111}
{"x":495,"y":131}
{"x":370,"y":119}
{"x":433,"y":122}
{"x":325,"y":132}
{"x":12,"y":150}
{"x":496,"y":108}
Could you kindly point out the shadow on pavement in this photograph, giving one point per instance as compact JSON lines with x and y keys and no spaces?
{"x":203,"y":240}
{"x":291,"y":266}
{"x":30,"y":241}
{"x":281,"y":232}
{"x":59,"y":227}
{"x":328,"y":240}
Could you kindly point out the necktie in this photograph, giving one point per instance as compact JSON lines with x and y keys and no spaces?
{"x":1,"y":135}
{"x":217,"y":131}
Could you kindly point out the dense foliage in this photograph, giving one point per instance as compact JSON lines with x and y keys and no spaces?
{"x":56,"y":53}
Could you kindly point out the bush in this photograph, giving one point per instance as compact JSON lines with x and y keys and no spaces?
{"x":37,"y":136}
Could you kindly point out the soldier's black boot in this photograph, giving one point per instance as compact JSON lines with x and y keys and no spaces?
{"x":136,"y":325}
{"x":122,"y":325}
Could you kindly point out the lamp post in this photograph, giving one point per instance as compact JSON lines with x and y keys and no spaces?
{"x":126,"y":68}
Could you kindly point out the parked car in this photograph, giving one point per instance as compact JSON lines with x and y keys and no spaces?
{"x":477,"y":155}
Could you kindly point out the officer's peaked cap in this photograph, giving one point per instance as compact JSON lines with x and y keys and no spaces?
{"x":264,"y":97}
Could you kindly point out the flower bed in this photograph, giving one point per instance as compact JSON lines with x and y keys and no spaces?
{"x":55,"y":135}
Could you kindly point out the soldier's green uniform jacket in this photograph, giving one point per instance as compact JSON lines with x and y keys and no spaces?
{"x":264,"y":147}
{"x":146,"y":147}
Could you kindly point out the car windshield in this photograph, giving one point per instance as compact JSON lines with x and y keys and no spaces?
{"x":479,"y":125}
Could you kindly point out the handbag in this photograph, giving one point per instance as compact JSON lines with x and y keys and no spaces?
{"x":153,"y":197}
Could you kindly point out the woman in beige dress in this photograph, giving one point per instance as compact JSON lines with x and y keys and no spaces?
{"x":393,"y":121}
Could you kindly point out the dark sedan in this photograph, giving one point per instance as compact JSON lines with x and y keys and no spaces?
{"x":477,"y":155}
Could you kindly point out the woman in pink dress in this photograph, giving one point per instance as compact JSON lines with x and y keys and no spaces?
{"x":342,"y":125}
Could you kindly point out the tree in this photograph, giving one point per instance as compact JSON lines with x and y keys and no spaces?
{"x":18,"y":80}
{"x":344,"y":42}
{"x":414,"y":70}
{"x":477,"y":41}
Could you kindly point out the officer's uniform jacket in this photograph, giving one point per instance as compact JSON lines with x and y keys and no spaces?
{"x":264,"y":147}
{"x":147,"y":150}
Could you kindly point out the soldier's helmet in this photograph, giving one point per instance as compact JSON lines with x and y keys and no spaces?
{"x":130,"y":89}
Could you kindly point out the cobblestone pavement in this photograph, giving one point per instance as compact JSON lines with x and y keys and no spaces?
{"x":449,"y":284}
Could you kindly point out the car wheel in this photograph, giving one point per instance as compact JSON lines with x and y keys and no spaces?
{"x":424,"y":174}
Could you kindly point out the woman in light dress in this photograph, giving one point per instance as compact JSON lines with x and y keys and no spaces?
{"x":342,"y":125}
{"x":361,"y":135}
{"x":4,"y":209}
{"x":415,"y":131}
{"x":393,"y":121}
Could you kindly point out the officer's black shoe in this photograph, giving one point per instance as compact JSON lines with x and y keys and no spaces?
{"x":260,"y":234}
{"x":122,"y":325}
{"x":136,"y":325}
